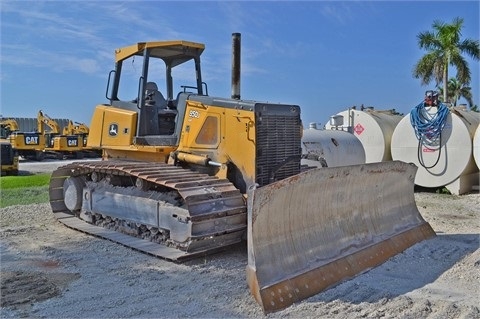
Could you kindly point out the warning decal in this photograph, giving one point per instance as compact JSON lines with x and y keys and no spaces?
{"x":359,"y":129}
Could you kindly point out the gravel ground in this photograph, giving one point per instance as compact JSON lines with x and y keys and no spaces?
{"x":45,"y":166}
{"x":51,"y":271}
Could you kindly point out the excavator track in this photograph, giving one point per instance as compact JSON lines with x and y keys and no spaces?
{"x":210,"y":213}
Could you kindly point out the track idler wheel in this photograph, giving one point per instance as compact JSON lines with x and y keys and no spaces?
{"x":73,"y":193}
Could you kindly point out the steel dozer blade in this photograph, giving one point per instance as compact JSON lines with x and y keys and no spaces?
{"x":314,"y":230}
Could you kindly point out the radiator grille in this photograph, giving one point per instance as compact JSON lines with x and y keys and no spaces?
{"x":278,"y":138}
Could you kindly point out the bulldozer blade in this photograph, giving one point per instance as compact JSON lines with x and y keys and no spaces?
{"x":316,"y":229}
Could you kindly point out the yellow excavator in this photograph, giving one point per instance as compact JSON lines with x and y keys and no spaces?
{"x":186,"y":174}
{"x":81,"y":130}
{"x":56,"y":143}
{"x":26,"y":144}
{"x":75,"y":129}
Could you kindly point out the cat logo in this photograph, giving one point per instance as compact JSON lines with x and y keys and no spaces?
{"x":72,"y":142}
{"x":113,"y":130}
{"x":31,"y":140}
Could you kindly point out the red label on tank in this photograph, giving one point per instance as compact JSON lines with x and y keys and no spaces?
{"x":428,"y":150}
{"x":358,"y":129}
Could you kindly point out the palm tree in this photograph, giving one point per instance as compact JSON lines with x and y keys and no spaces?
{"x":444,"y":48}
{"x":456,"y":90}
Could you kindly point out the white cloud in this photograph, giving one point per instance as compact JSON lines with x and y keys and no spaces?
{"x":50,"y":59}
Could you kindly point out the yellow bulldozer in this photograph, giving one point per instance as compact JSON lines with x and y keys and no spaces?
{"x":186,"y":174}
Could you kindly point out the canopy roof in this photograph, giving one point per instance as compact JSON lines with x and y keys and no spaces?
{"x":172,"y":52}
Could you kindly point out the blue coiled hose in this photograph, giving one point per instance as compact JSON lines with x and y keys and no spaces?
{"x":428,"y":128}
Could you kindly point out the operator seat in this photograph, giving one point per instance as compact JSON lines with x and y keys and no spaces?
{"x":148,"y":114}
{"x":160,"y":119}
{"x":154,"y":97}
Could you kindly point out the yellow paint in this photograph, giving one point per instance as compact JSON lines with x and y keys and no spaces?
{"x":223,"y":135}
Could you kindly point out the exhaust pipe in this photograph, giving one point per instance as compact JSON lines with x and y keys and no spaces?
{"x":236,"y":37}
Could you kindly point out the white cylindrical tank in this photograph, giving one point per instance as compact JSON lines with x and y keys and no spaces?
{"x":476,"y":146}
{"x":374,"y":129}
{"x":326,"y":148}
{"x":439,"y":166}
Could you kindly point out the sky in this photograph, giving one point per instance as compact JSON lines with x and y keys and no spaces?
{"x":325,"y":56}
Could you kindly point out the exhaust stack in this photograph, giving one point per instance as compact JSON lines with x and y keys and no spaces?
{"x":236,"y":37}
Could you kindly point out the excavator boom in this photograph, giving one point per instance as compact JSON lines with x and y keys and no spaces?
{"x":42,"y":119}
{"x":79,"y":128}
{"x":9,"y":124}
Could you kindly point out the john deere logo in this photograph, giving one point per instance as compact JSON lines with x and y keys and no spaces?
{"x":113,"y":129}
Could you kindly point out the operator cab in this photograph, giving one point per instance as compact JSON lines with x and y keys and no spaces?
{"x":146,"y":71}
